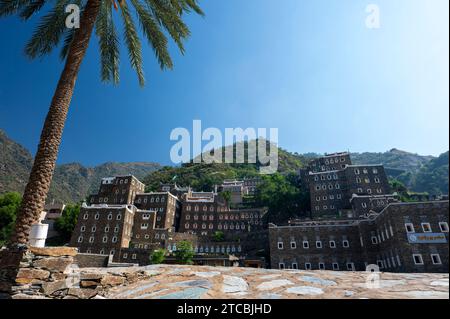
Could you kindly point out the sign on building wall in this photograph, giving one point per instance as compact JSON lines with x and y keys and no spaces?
{"x":427,"y":238}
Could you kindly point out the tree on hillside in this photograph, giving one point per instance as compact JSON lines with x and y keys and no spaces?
{"x":184,"y":253}
{"x":67,"y":222}
{"x":9,"y":205}
{"x":154,"y":17}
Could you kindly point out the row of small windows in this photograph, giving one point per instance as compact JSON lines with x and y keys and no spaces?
{"x":367,"y":180}
{"x":328,"y":177}
{"x":334,"y":160}
{"x":321,"y":266}
{"x":330,"y":186}
{"x":152,"y":200}
{"x":369,"y":191}
{"x":226,"y":216}
{"x":157,"y":236}
{"x":331,"y":197}
{"x":219,"y":226}
{"x":365,"y":171}
{"x":426,"y":227}
{"x":104,"y":239}
{"x":319,"y":244}
{"x":435,"y":259}
{"x":94,"y":229}
{"x":97,"y":216}
{"x":218,"y":249}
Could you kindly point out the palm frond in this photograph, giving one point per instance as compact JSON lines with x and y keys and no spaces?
{"x":9,"y":7}
{"x":155,"y":36}
{"x":66,"y":44}
{"x":108,"y":43}
{"x":133,"y":43}
{"x":49,"y":31}
{"x":31,"y":8}
{"x":169,"y":18}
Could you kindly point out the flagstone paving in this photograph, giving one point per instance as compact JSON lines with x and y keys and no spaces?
{"x":204,"y":282}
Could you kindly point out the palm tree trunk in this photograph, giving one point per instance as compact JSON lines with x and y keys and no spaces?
{"x":45,"y":160}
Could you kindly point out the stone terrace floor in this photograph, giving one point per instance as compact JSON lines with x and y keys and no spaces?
{"x":203,"y":282}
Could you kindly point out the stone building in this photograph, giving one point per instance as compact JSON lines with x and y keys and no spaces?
{"x":403,"y":237}
{"x":118,"y":190}
{"x":166,"y":206}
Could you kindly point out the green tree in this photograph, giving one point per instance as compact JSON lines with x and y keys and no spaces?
{"x":154,"y":16}
{"x":219,"y":236}
{"x":184,"y":252}
{"x":9,"y":206}
{"x":158,"y":256}
{"x":67,"y":222}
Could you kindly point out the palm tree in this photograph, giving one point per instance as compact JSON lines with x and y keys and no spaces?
{"x":156,"y":18}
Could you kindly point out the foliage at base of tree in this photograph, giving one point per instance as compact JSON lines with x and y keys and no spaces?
{"x":184,"y":253}
{"x":158,"y":256}
{"x":9,"y":206}
{"x":67,"y":222}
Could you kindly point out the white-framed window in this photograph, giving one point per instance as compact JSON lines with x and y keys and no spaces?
{"x":374,"y":240}
{"x":418,"y":260}
{"x":335,"y":266}
{"x":133,"y":256}
{"x":114,"y":239}
{"x":119,"y":217}
{"x":351,"y":266}
{"x":93,"y":229}
{"x":109,"y":216}
{"x":85,"y":216}
{"x":338,"y":196}
{"x":80,"y":239}
{"x":106,"y":229}
{"x":116,"y":229}
{"x":125,"y":256}
{"x":426,"y":227}
{"x":294,"y":266}
{"x":305,"y":244}
{"x":364,"y":205}
{"x":436,"y":259}
{"x":91,"y":239}
{"x":308,"y":266}
{"x":409,"y":228}
{"x":345,"y":243}
{"x":318,"y":244}
{"x":443,"y":226}
{"x":105,"y":239}
{"x":280,"y":245}
{"x":293,"y":244}
{"x":280,"y":265}
{"x":332,"y":244}
{"x":97,"y":216}
{"x":83,"y":228}
{"x":321,"y":266}
{"x":186,"y":225}
{"x":102,"y":251}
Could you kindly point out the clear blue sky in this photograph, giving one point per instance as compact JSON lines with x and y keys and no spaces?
{"x":310,"y":68}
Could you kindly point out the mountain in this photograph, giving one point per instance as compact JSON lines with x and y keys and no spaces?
{"x":71,"y":182}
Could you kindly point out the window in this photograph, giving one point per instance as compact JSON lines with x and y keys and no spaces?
{"x":418,"y":260}
{"x":308,"y":266}
{"x":293,"y":244}
{"x":364,"y":205}
{"x":133,"y":256}
{"x":125,"y":256}
{"x":106,"y":229}
{"x":91,"y":239}
{"x":335,"y":266}
{"x":321,"y":266}
{"x":119,"y":217}
{"x":374,"y":240}
{"x":345,"y":243}
{"x":109,"y":216}
{"x":426,"y":227}
{"x":294,"y":266}
{"x":332,"y":244}
{"x":93,"y":229}
{"x":444,"y":227}
{"x":80,"y":239}
{"x":105,"y":239}
{"x":114,"y":239}
{"x":305,"y":244}
{"x":83,"y":228}
{"x":86,"y":216}
{"x":280,"y":245}
{"x":318,"y":244}
{"x":436,"y":259}
{"x":409,"y":228}
{"x":97,"y":216}
{"x":338,"y":196}
{"x":116,"y":229}
{"x":377,"y":180}
{"x":281,"y":265}
{"x":351,"y":266}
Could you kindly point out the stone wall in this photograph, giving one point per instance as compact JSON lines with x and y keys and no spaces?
{"x":53,"y":272}
{"x":91,"y":260}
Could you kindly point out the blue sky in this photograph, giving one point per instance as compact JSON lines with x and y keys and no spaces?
{"x":310,"y":68}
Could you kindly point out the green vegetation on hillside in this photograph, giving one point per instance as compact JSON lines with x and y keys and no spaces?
{"x":9,"y":205}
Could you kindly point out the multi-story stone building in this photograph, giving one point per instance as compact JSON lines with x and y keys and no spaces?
{"x":104,"y":229}
{"x":118,"y":190}
{"x":333,"y":181}
{"x":166,"y":206}
{"x":403,"y":237}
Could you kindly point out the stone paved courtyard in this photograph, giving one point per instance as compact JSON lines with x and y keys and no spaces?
{"x":196,"y":282}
